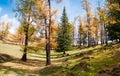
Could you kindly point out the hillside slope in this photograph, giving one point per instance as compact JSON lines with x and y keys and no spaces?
{"x":94,"y":62}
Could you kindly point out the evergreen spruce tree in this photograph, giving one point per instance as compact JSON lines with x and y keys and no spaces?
{"x":64,"y":38}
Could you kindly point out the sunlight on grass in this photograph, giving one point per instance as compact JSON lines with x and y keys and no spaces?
{"x":98,"y":58}
{"x":13,"y":50}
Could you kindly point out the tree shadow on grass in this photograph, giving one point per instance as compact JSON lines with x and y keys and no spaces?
{"x":5,"y":58}
{"x":30,"y":62}
{"x":53,"y":71}
{"x":9,"y":70}
{"x":29,"y":68}
{"x":11,"y":65}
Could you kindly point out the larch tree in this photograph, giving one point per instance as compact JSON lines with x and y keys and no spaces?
{"x":95,"y":30}
{"x":48,"y":62}
{"x":48,"y":47}
{"x":84,"y":31}
{"x":102,"y":22}
{"x":24,"y":9}
{"x":86,"y":6}
{"x":64,"y":38}
{"x":74,"y":33}
{"x":80,"y":31}
{"x":44,"y":8}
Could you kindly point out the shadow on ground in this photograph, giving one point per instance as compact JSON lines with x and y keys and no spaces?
{"x":5,"y":58}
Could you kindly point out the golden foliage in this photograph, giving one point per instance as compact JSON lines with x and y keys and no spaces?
{"x":42,"y":43}
{"x":4,"y":29}
{"x":94,"y":27}
{"x":54,"y":33}
{"x":42,"y":8}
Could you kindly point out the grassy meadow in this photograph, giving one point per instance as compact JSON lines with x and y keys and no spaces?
{"x":94,"y":61}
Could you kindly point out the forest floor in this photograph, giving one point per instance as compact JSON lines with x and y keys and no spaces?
{"x":95,"y":61}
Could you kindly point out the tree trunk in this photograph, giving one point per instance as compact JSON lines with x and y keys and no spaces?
{"x":80,"y":40}
{"x":106,"y":41}
{"x":101,"y":35}
{"x":48,"y":61}
{"x":89,"y":34}
{"x":64,"y":53}
{"x":96,"y":38}
{"x":24,"y":57}
{"x":89,"y":39}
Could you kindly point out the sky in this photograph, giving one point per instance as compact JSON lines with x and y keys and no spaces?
{"x":73,"y":8}
{"x":7,"y":14}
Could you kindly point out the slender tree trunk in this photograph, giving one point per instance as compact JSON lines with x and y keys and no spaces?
{"x":26,"y":29}
{"x":101,"y":35}
{"x":48,"y":61}
{"x":104,"y":34}
{"x":89,"y":39}
{"x":97,"y":40}
{"x":64,"y":52}
{"x":89,"y":34}
{"x":24,"y":57}
{"x":47,"y":44}
{"x":94,"y":42}
{"x":106,"y":39}
{"x":80,"y":39}
{"x":46,"y":33}
{"x":87,"y":9}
